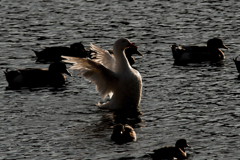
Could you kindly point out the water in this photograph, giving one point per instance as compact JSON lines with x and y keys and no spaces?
{"x":198,"y":102}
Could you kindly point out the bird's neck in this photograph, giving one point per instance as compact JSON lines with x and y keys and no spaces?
{"x":182,"y":148}
{"x":122,"y":63}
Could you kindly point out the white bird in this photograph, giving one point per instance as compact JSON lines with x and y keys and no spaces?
{"x":113,"y":75}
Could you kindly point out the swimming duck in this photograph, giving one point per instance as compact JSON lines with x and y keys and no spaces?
{"x":54,"y":53}
{"x":169,"y":152}
{"x":237,"y":63}
{"x":196,"y":54}
{"x":123,"y":134}
{"x":113,"y":75}
{"x":37,"y":77}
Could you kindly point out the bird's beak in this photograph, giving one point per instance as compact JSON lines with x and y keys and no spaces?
{"x":131,"y":45}
{"x":223,"y":46}
{"x":68,"y":73}
{"x":139,"y":53}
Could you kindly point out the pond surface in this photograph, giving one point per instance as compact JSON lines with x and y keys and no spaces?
{"x":199,"y":102}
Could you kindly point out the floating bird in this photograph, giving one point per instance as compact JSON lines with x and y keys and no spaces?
{"x":37,"y":77}
{"x":237,"y":63}
{"x":169,"y":152}
{"x":123,"y":134}
{"x":54,"y":53}
{"x":196,"y":54}
{"x":113,"y":75}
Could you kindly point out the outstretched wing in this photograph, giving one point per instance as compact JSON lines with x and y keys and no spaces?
{"x":104,"y":78}
{"x":103,"y":57}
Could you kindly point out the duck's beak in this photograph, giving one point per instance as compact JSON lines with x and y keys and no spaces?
{"x":132,"y":45}
{"x":139,"y":53}
{"x":223,"y":46}
{"x":68,"y":73}
{"x":235,"y":59}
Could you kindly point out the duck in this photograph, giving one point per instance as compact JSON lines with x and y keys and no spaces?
{"x":112,"y":75}
{"x":37,"y":77}
{"x":237,"y":63}
{"x":50,"y":54}
{"x":123,"y":134}
{"x":197,"y":54}
{"x":169,"y":152}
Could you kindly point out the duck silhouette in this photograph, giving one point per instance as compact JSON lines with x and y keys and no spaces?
{"x":237,"y":63}
{"x":113,"y":75}
{"x":123,"y":134}
{"x":37,"y":77}
{"x":197,"y":54}
{"x":50,"y":54}
{"x":169,"y":152}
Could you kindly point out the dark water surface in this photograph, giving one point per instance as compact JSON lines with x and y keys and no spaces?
{"x":198,"y":102}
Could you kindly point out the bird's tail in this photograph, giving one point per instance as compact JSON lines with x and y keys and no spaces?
{"x":36,"y":52}
{"x":175,"y":51}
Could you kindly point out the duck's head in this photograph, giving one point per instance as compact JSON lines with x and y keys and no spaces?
{"x":131,"y":51}
{"x":216,"y":43}
{"x":119,"y":128}
{"x":181,"y":143}
{"x":128,"y":129}
{"x":59,"y":67}
{"x":122,"y":44}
